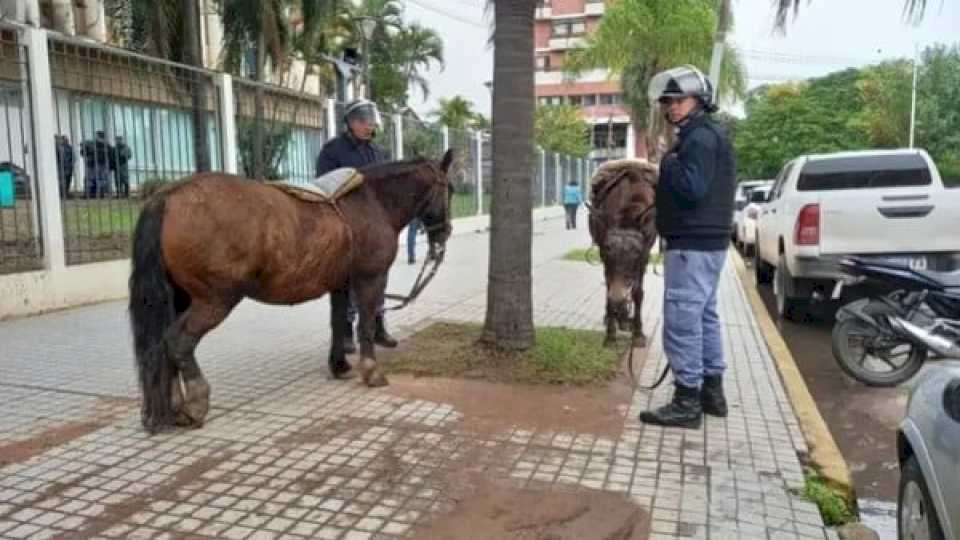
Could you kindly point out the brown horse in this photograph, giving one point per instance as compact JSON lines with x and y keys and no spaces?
{"x":207,"y":242}
{"x":622,"y":225}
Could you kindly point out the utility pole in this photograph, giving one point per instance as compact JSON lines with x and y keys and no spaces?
{"x":913,"y":97}
{"x":719,"y":44}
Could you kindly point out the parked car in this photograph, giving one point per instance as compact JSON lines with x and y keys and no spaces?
{"x":747,"y":228}
{"x":928,"y":505}
{"x":741,"y":200}
{"x":885,"y":205}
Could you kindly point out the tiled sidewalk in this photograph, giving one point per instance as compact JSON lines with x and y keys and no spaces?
{"x":288,"y":453}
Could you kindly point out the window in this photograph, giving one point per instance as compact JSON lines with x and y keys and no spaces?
{"x":861,"y":172}
{"x":543,"y":63}
{"x":605,"y":99}
{"x":543,"y":100}
{"x":589,"y":100}
{"x":617,"y":99}
{"x":566,"y":28}
{"x":576,"y":100}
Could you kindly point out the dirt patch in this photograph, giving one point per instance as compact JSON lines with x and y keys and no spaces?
{"x":497,"y":512}
{"x":20,"y":451}
{"x":489,"y":407}
{"x":559,"y":356}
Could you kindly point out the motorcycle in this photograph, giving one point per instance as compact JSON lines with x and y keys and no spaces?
{"x":883,"y":340}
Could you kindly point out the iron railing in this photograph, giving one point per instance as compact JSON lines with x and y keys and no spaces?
{"x":21,"y":243}
{"x":124,"y":126}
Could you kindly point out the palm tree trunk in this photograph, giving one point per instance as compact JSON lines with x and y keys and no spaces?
{"x":258,"y":97}
{"x":198,"y":94}
{"x":509,"y":318}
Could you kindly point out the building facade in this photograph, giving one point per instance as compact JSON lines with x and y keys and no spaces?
{"x":561,"y":26}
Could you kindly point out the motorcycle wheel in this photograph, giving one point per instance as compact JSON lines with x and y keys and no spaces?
{"x":875,"y":349}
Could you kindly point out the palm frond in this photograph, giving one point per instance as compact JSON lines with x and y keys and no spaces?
{"x":913,"y":10}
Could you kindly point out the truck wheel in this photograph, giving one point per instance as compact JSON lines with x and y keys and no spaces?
{"x":789,"y":307}
{"x":760,"y":268}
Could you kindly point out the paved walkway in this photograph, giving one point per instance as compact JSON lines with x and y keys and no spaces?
{"x":252,"y":473}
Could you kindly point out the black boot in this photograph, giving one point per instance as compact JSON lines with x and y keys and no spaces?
{"x":349,"y":345}
{"x":684,"y":411}
{"x":381,"y":337}
{"x":711,"y":396}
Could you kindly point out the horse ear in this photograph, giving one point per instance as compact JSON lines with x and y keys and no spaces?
{"x":446,"y":161}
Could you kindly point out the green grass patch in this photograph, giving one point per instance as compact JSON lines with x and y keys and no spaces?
{"x":592,"y":255}
{"x":589,"y":255}
{"x":560,"y":356}
{"x":832,"y":504}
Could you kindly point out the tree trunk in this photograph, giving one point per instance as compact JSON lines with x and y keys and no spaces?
{"x":509,"y":319}
{"x":258,"y":127}
{"x":198,"y":83}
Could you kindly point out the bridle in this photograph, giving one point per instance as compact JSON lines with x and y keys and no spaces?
{"x":440,"y":186}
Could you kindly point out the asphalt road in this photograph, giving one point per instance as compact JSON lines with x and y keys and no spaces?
{"x":863,"y":420}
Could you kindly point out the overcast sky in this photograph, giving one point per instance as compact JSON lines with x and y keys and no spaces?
{"x":827,"y":35}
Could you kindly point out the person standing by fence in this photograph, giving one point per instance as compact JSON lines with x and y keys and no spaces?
{"x":96,"y":157}
{"x":572,"y":197}
{"x":64,"y":165}
{"x":121,"y":168}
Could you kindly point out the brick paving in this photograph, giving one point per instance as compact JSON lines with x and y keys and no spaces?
{"x":287,"y":453}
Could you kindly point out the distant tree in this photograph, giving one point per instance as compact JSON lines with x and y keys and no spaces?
{"x":561,"y":129}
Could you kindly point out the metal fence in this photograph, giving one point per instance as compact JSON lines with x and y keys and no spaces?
{"x":464,"y":172}
{"x":123,"y":125}
{"x":292,"y":126}
{"x":21,"y":244}
{"x":422,"y":139}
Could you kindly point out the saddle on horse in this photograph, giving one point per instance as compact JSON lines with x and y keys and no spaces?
{"x":326,"y":189}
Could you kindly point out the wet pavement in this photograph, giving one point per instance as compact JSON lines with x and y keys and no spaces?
{"x":288,"y":453}
{"x":862,"y":419}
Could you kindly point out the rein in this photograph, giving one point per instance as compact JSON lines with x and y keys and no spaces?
{"x":435,"y":255}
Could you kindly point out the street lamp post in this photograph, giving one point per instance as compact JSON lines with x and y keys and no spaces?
{"x":367,"y":27}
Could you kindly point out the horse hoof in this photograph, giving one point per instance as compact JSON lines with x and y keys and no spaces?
{"x":344,"y":375}
{"x":640,"y":341}
{"x":376,"y":380}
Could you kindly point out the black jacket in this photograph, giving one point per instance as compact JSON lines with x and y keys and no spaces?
{"x":345,"y":151}
{"x":696,"y":188}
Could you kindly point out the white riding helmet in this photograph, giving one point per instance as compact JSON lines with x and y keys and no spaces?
{"x":362,"y":109}
{"x":683,"y":81}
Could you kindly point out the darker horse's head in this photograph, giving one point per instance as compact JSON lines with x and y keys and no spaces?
{"x":622,"y":223}
{"x":435,"y":209}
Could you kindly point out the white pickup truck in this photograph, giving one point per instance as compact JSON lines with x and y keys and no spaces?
{"x":889,"y":204}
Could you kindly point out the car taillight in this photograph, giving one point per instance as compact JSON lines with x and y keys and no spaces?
{"x":753,"y":213}
{"x":807,"y":232}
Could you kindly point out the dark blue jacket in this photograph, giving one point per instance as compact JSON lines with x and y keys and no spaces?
{"x":346,"y":151}
{"x":696,"y":188}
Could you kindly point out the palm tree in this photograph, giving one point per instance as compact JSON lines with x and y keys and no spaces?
{"x":455,"y":113}
{"x":509,"y":317}
{"x":418,"y":47}
{"x":638,"y":38}
{"x":912,"y":9}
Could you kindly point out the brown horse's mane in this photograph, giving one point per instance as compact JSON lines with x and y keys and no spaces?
{"x":382,"y":171}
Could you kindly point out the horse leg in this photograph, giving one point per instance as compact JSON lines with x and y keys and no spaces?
{"x":368,"y":294}
{"x":191,"y":392}
{"x":639,"y":339}
{"x":339,"y":367}
{"x":611,"y":319}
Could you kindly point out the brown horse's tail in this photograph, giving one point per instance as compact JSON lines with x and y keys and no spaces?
{"x":152,"y":311}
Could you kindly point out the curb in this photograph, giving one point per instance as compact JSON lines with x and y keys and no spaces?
{"x":825,"y":455}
